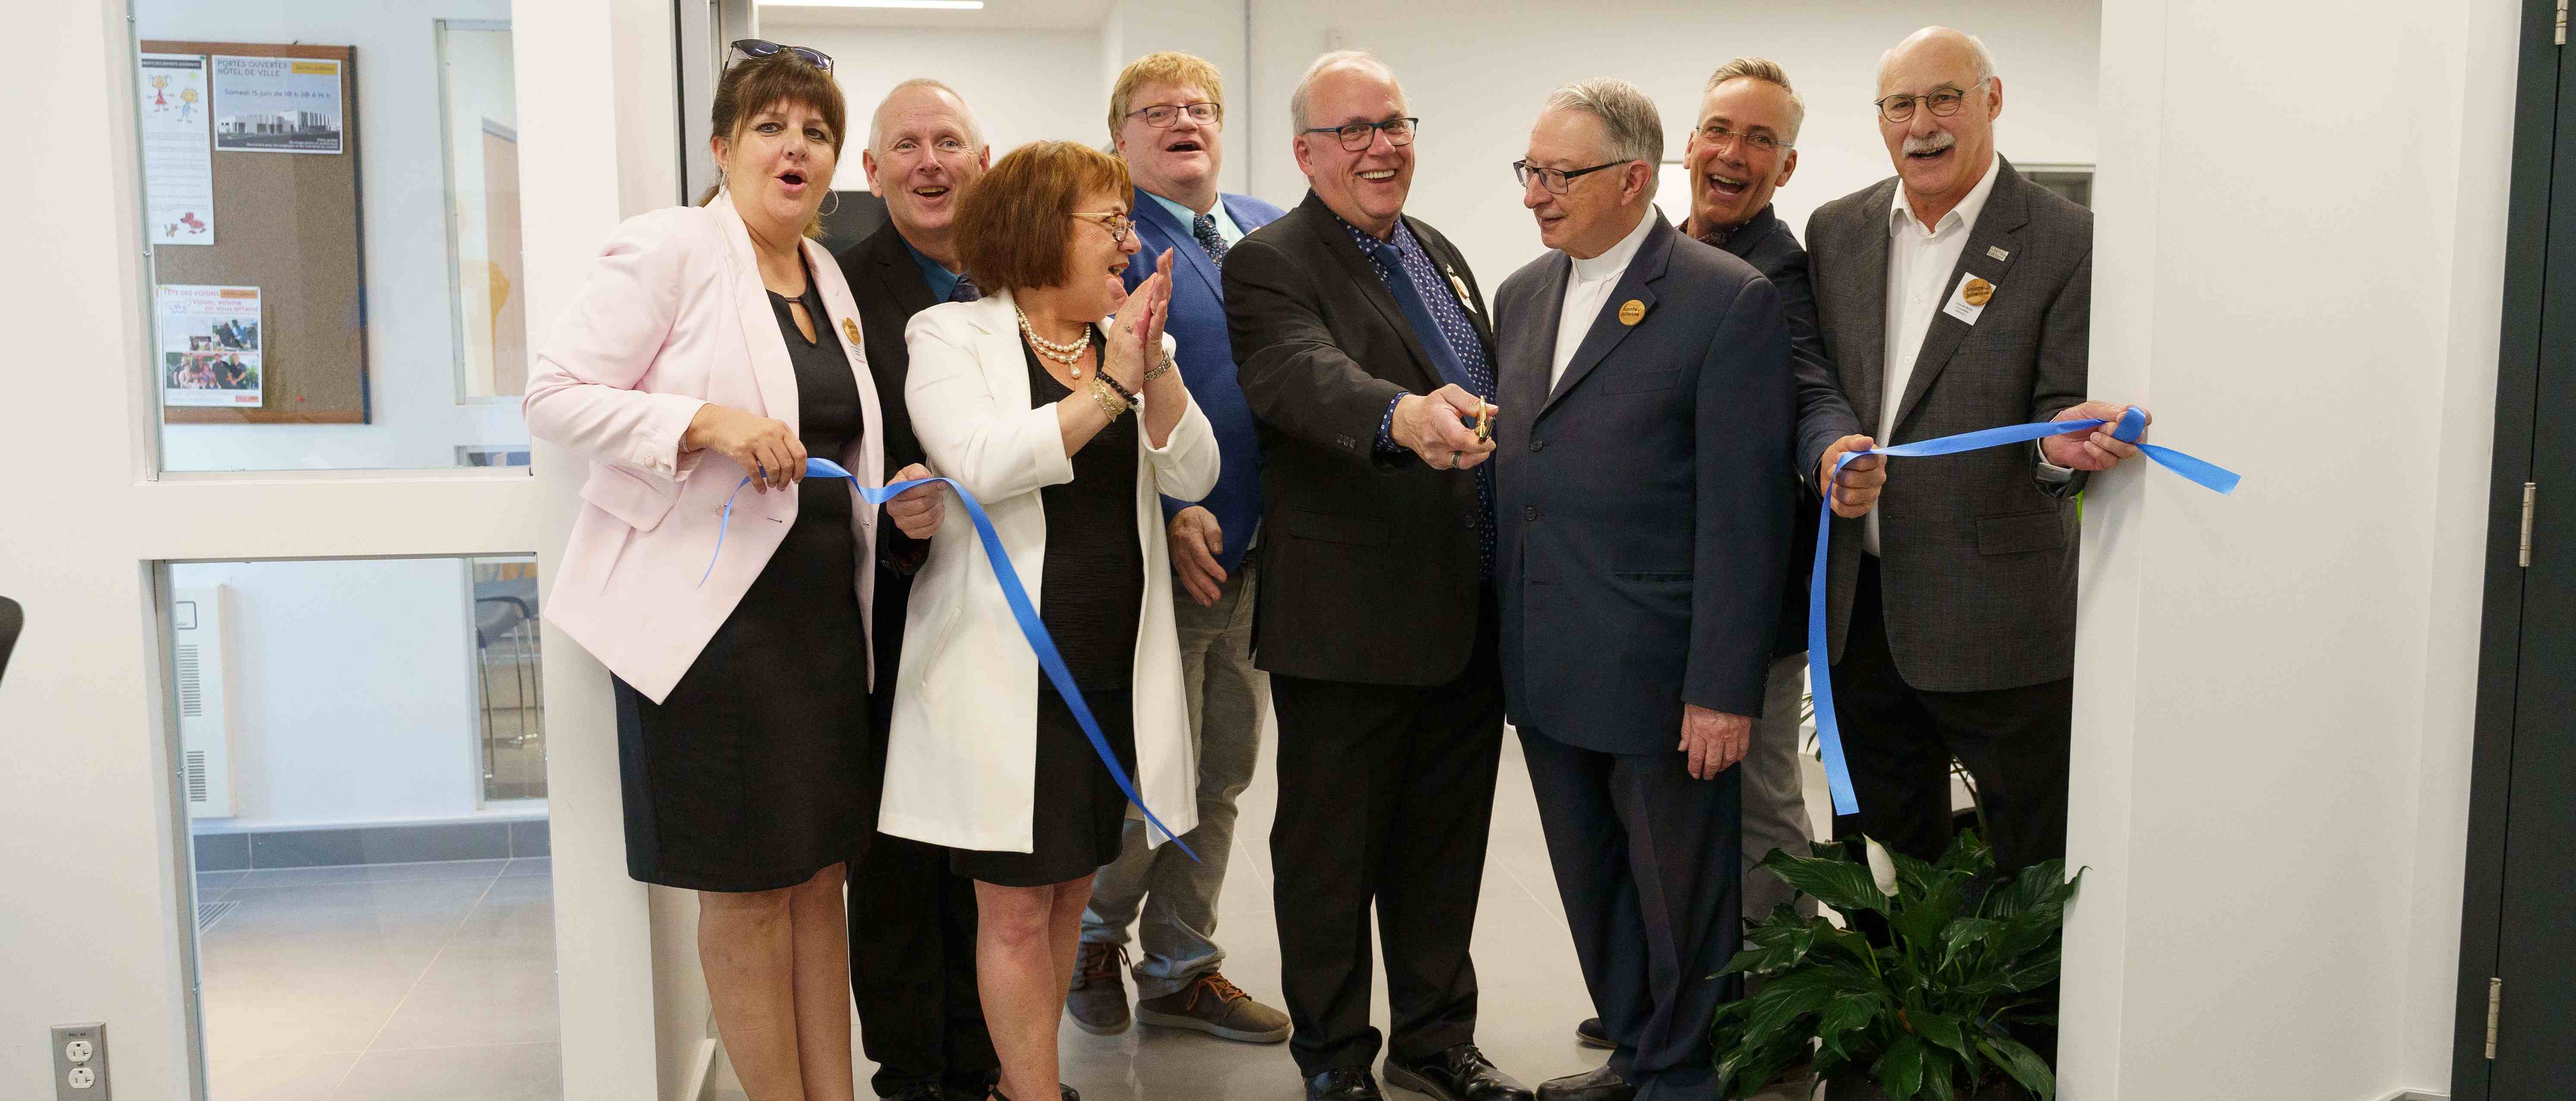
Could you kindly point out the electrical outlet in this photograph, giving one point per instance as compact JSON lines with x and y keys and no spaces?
{"x":80,"y":1062}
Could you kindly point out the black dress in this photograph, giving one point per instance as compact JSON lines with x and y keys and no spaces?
{"x":761,"y":769}
{"x":1090,"y":592}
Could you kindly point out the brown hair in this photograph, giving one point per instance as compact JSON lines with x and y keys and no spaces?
{"x":759,"y":83}
{"x":1013,"y":228}
{"x":1168,"y":67}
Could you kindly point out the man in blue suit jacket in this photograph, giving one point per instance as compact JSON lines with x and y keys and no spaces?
{"x":1644,"y":470}
{"x":1167,"y":116}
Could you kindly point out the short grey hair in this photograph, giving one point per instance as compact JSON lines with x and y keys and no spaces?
{"x":1333,"y":62}
{"x":1976,"y":48}
{"x":876,"y":118}
{"x":1769,"y":72}
{"x":1626,"y":112}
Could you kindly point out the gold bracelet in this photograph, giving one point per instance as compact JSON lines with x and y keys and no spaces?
{"x":1160,"y":369}
{"x":1107,"y":398}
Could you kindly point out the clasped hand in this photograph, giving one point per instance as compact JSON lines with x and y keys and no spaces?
{"x":773,"y":458}
{"x":1434,"y":426}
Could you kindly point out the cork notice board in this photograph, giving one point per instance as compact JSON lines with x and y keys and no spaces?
{"x":287,"y":223}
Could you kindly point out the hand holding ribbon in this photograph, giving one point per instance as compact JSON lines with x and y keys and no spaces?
{"x":2132,"y":422}
{"x":1050,"y":660}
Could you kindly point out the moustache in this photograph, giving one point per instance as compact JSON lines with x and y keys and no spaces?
{"x":1940,"y":140}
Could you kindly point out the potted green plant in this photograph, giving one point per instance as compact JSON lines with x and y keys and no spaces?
{"x":1928,"y":1011}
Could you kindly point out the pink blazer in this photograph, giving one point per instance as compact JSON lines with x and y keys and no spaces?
{"x":673,"y":318}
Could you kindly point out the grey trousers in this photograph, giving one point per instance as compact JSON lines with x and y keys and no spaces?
{"x":1176,"y":897}
{"x":1775,"y":803}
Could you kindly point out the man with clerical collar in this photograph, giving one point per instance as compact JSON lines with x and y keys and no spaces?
{"x":912,"y":921}
{"x":1366,"y":357}
{"x":1956,"y":296}
{"x":1645,"y":425}
{"x":1167,"y":121}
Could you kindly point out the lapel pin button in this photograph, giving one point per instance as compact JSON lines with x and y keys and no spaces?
{"x":1631,"y":312}
{"x":1997,"y":252}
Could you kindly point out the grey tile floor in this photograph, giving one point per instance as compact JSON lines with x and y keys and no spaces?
{"x":436,"y":982}
{"x":1532,"y":992}
{"x":388,"y":982}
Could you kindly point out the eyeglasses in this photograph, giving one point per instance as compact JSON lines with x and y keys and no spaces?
{"x":1162,"y":115}
{"x":1944,"y":102}
{"x":764,"y":48}
{"x":1718,"y":136}
{"x":1358,"y":136}
{"x":1113,"y":221}
{"x":1555,"y":180}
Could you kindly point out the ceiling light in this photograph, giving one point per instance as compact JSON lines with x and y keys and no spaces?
{"x":932,"y":5}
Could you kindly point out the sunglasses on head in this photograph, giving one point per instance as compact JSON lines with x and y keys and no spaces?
{"x":761,"y":47}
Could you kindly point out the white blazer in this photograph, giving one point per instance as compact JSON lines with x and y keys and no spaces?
{"x":961,"y":760}
{"x":675,"y":317}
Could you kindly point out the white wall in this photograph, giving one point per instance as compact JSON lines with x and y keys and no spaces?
{"x":1023,"y":85}
{"x":411,"y":338}
{"x":351,"y":692}
{"x":2274,"y":691}
{"x":1476,"y":73}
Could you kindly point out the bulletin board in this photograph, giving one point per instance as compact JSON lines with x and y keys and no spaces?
{"x":289,"y":225}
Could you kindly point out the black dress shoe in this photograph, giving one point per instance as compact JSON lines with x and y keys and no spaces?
{"x":1343,"y":1084}
{"x":1461,"y":1073}
{"x":1598,"y":1084}
{"x":1591,"y":1034}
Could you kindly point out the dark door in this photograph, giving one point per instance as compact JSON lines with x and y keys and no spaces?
{"x":2517,"y":1021}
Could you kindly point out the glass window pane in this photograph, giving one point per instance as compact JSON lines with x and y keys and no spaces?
{"x":331,"y":197}
{"x":364,"y":774}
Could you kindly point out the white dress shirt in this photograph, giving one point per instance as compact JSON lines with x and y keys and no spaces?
{"x":1587,"y":289}
{"x":1919,"y":263}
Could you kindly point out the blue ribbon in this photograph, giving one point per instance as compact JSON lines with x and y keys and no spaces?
{"x":1820,"y":670}
{"x":1049,"y":658}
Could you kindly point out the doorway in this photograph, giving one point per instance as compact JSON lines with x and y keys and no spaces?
{"x":2517,"y":991}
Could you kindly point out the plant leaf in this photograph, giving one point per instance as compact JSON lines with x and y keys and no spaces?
{"x":1900,"y":1071}
{"x":2025,"y":1065}
{"x":1967,"y":853}
{"x":1846,"y":1015}
{"x":1839,"y":883}
{"x":1942,"y":1031}
{"x":1962,"y":935}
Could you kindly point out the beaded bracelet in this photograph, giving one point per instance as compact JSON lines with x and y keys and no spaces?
{"x":1108,"y":399}
{"x":1124,"y":394}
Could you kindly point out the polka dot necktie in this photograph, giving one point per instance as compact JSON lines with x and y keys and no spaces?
{"x":1203,"y":227}
{"x":965,"y":290}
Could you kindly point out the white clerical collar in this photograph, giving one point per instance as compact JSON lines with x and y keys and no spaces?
{"x":1901,"y":213}
{"x":1610,"y":264}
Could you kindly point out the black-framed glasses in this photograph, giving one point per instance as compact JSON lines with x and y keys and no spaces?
{"x":1161,"y":116}
{"x":1358,"y":136}
{"x":1555,"y":180}
{"x":762,"y":47}
{"x":1716,"y":134}
{"x":1115,"y":222}
{"x":1944,"y":102}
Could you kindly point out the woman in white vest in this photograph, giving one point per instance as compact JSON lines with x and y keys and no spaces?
{"x":1067,"y":428}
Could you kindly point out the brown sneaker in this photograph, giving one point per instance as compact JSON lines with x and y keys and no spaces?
{"x":1216,"y":1007}
{"x":1098,"y":1000}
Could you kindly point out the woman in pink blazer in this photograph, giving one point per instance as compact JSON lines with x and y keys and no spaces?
{"x":715,"y":343}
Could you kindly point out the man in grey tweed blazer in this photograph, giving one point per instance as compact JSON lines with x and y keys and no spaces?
{"x":1957,"y":296}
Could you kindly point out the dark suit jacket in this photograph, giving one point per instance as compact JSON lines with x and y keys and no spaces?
{"x":1368,"y":561}
{"x":1648,"y":496}
{"x":1197,"y":327}
{"x":1767,"y":243}
{"x":889,"y":289}
{"x":1978,"y":566}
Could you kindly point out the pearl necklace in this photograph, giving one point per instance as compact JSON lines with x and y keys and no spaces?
{"x":1068,"y":354}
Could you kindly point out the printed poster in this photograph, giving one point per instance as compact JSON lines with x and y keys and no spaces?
{"x":277,"y":104}
{"x":209,"y":345}
{"x":178,"y":164}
